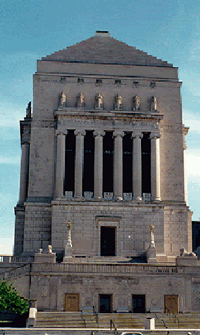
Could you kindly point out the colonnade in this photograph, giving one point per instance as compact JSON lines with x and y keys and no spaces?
{"x":118,"y":164}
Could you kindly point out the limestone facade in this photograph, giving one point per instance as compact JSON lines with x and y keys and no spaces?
{"x":105,"y":151}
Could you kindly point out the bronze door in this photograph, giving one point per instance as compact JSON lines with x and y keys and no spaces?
{"x":71,"y":302}
{"x":171,"y":304}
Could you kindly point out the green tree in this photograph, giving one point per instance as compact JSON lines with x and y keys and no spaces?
{"x":10,"y":300}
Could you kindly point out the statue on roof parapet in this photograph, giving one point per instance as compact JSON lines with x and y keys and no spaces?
{"x":118,"y":102}
{"x":80,"y":100}
{"x":153,"y":104}
{"x":62,"y":100}
{"x":98,"y":101}
{"x":136,"y":103}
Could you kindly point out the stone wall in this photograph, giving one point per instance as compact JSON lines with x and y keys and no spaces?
{"x":37,"y":230}
{"x":50,"y":285}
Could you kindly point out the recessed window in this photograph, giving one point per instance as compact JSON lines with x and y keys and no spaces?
{"x":80,"y":80}
{"x":62,"y":79}
{"x":118,"y":82}
{"x":152,"y":84}
{"x":98,"y":82}
{"x":136,"y":83}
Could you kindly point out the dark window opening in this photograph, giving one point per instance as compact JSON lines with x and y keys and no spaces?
{"x":69,"y":161}
{"x":98,"y":81}
{"x":152,"y":84}
{"x":108,"y":162}
{"x":105,"y":303}
{"x":139,"y":303}
{"x":88,"y":169}
{"x":80,"y":80}
{"x":118,"y":81}
{"x":127,"y":163}
{"x":146,"y":163}
{"x":107,"y":241}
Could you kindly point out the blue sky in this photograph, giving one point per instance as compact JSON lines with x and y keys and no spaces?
{"x":31,"y":29}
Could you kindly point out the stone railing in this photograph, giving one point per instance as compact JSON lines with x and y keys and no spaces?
{"x":15,"y":272}
{"x":7,"y":259}
{"x":107,"y":268}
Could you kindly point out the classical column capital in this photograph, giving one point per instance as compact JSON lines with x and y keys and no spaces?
{"x":99,"y":133}
{"x":155,"y":135}
{"x":137,"y":134}
{"x":81,"y":132}
{"x":118,"y":133}
{"x":61,"y":132}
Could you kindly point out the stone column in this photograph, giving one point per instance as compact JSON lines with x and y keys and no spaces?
{"x":155,"y":166}
{"x":137,"y":166}
{"x":118,"y":165}
{"x":60,"y":163}
{"x":79,"y":163}
{"x":98,"y":164}
{"x":24,"y":173}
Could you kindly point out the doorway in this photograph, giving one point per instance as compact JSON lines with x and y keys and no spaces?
{"x":139,"y":303}
{"x":107,"y":241}
{"x":171,"y":304}
{"x":71,"y":302}
{"x":105,"y":303}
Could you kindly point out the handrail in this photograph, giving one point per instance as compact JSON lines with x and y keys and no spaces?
{"x":96,"y":315}
{"x":161,"y":320}
{"x":112,"y":325}
{"x":174,"y":315}
{"x":83,"y":318}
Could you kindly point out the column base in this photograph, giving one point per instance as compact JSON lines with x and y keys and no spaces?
{"x":79,"y":198}
{"x":98,"y":198}
{"x":118,"y":198}
{"x":137,"y":198}
{"x":156,"y":200}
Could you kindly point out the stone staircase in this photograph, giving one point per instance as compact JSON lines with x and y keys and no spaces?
{"x":182,"y":321}
{"x":120,"y":320}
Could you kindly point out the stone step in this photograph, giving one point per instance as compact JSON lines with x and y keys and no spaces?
{"x":121,"y":320}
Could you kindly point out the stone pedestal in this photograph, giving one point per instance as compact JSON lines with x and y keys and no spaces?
{"x":45,"y":258}
{"x":150,"y":323}
{"x":151,"y":255}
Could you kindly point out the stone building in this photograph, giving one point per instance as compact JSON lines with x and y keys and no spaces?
{"x":102,"y":182}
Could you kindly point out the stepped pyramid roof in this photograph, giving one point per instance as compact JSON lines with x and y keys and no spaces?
{"x":103,"y":49}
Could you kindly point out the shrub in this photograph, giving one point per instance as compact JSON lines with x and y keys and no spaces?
{"x":11,"y":301}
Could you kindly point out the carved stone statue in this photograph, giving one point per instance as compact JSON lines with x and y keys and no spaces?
{"x":62,"y":100}
{"x":98,"y":101}
{"x":50,"y":249}
{"x":80,"y":100}
{"x":118,"y":102}
{"x":28,"y":111}
{"x":136,"y":103}
{"x":185,"y":253}
{"x":153,"y":104}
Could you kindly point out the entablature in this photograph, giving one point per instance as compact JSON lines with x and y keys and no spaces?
{"x":92,"y":119}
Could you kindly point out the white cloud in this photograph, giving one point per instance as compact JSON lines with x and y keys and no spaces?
{"x":192,"y":163}
{"x":10,"y":160}
{"x":6,"y":246}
